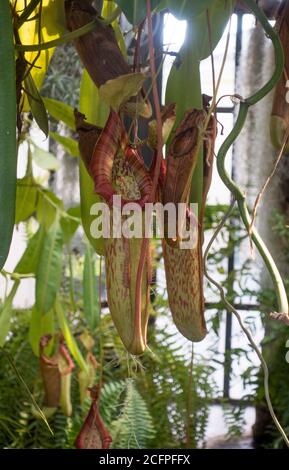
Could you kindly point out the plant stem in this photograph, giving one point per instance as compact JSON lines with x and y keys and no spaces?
{"x":231,"y":185}
{"x":69,"y":36}
{"x":101,"y":351}
{"x":88,"y":28}
{"x":190,"y":441}
{"x":71,"y":280}
{"x":27,"y":12}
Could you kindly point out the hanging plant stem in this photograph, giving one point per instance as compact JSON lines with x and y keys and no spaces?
{"x":238,"y":194}
{"x":57,"y":42}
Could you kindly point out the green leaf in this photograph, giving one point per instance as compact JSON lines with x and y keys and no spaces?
{"x":196,"y":48}
{"x":90,"y":290}
{"x":48,"y":278}
{"x":8,"y":152}
{"x":6,"y":313}
{"x":40,"y":325}
{"x":69,"y":226}
{"x":96,"y":113}
{"x":36,"y":104}
{"x":136,"y":10}
{"x":186,"y":9}
{"x":70,"y":341}
{"x":191,"y":97}
{"x":118,"y":91}
{"x":29,"y":261}
{"x":60,"y":111}
{"x":69,"y":144}
{"x":51,"y":19}
{"x":44,"y":159}
{"x":219,"y":14}
{"x":26,"y":198}
{"x":47,"y":206}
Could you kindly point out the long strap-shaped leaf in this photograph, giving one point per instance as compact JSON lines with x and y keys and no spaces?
{"x":6,"y":313}
{"x":96,"y":113}
{"x":49,"y":269}
{"x":90,"y":292}
{"x":8,"y":156}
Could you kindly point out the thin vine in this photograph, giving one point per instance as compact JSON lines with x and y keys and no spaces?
{"x":69,"y":36}
{"x":238,"y":194}
{"x":248,"y":334}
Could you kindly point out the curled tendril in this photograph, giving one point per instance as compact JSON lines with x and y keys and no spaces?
{"x":238,"y":194}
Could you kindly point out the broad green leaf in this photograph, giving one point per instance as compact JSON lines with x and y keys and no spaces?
{"x":187,"y":77}
{"x":196,"y":47}
{"x":118,"y":91}
{"x":136,"y":10}
{"x":44,"y":159}
{"x":219,"y":13}
{"x":40,"y":325}
{"x":53,"y":25}
{"x":96,"y":112}
{"x":36,"y":104}
{"x":26,"y":198}
{"x":69,"y":144}
{"x":69,"y":226}
{"x":6,"y":314}
{"x":90,"y":290}
{"x":48,"y":278}
{"x":60,"y":111}
{"x":191,"y":97}
{"x":186,"y":9}
{"x":29,"y":261}
{"x":47,"y":206}
{"x":70,"y":341}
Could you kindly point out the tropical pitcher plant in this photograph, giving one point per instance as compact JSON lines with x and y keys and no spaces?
{"x":117,"y":97}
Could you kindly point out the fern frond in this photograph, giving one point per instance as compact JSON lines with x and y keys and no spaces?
{"x":134,"y":428}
